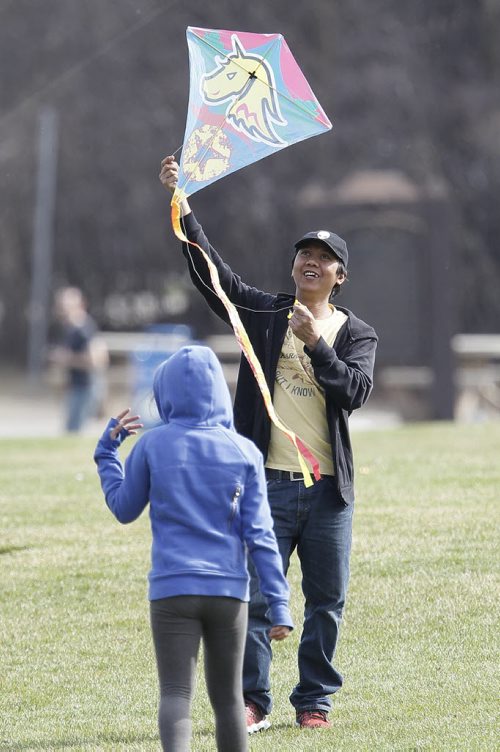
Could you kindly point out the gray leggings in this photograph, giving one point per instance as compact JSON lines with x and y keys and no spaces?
{"x":178,"y":624}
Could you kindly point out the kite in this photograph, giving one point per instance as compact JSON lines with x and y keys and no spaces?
{"x":248,"y":98}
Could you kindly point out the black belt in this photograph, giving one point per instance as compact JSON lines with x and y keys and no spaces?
{"x":272,"y":474}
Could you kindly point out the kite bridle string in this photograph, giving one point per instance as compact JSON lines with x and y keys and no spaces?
{"x":241,"y":307}
{"x":208,"y":146}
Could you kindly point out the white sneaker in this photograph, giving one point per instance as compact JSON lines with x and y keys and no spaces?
{"x":256,"y":720}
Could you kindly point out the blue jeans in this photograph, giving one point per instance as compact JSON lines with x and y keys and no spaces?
{"x":78,"y":406}
{"x":317,"y":523}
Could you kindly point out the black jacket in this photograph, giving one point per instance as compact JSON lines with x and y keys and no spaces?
{"x":344,"y":371}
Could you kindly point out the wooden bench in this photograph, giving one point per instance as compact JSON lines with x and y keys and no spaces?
{"x":477,"y":374}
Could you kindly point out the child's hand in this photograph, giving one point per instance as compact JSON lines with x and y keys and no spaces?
{"x":279,"y":633}
{"x":126,"y":421}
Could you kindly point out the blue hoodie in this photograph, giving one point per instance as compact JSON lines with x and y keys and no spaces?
{"x":206,"y":489}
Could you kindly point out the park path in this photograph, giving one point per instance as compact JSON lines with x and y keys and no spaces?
{"x":37,"y":410}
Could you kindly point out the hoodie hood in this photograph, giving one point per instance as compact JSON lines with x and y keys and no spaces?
{"x":190,"y":387}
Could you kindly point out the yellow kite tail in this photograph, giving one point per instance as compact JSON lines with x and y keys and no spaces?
{"x":303,"y":452}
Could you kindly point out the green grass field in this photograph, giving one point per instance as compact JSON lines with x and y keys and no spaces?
{"x":418,"y":647}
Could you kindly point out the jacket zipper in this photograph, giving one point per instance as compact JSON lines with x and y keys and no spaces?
{"x":234,"y":505}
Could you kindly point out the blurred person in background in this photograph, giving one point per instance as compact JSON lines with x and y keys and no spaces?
{"x":206,"y":490}
{"x":318,"y":362}
{"x":83,"y":356}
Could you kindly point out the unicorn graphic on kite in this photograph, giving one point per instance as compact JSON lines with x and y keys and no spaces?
{"x":246,"y":81}
{"x":248,"y":99}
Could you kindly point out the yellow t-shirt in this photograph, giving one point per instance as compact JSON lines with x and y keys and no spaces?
{"x":300,"y":402}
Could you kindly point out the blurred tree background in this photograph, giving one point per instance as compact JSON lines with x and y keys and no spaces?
{"x":411,"y":87}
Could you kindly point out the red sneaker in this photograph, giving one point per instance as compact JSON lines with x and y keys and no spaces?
{"x":312,"y":719}
{"x":256,"y":720}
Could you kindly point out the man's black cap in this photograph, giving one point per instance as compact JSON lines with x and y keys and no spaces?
{"x":334,"y":243}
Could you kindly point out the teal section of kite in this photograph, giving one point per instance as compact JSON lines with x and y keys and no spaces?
{"x":247,"y":99}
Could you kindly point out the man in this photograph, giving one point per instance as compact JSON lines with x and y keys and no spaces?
{"x":318,"y":361}
{"x":82,"y":354}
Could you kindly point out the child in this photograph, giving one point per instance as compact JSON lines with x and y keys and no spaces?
{"x":208,"y":505}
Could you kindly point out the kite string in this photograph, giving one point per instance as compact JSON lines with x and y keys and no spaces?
{"x":303,"y":453}
{"x":236,"y":305}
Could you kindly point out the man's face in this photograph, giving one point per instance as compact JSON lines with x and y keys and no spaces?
{"x":314,"y":270}
{"x":68,"y":305}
